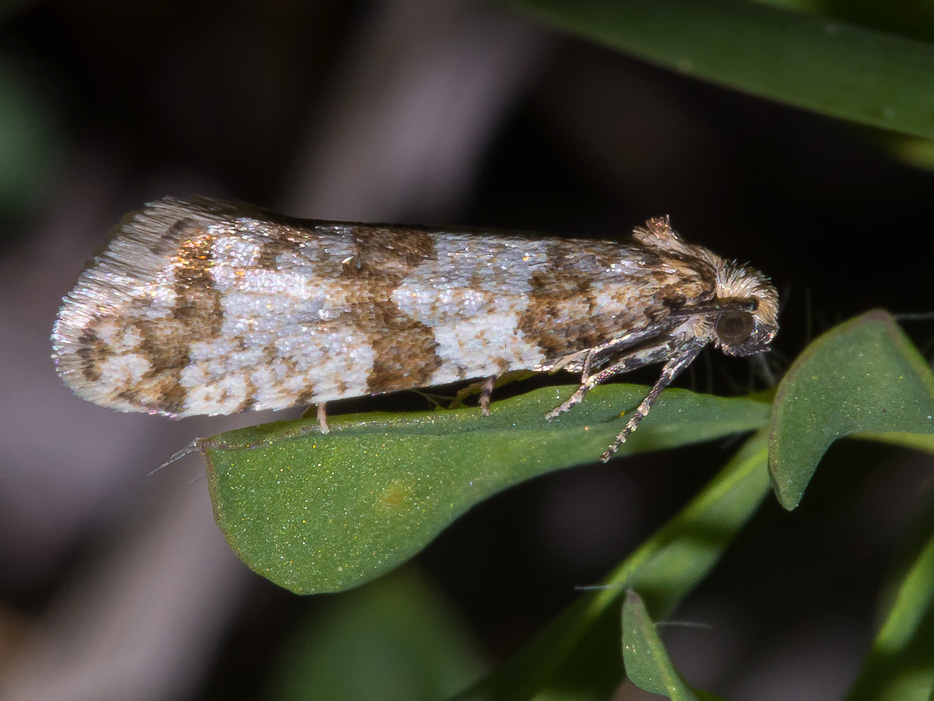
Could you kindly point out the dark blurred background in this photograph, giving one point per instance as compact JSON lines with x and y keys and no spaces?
{"x":115,"y":585}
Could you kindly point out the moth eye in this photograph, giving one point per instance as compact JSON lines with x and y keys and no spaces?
{"x":735,"y":327}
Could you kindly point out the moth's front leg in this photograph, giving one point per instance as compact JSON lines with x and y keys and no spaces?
{"x":631,"y":361}
{"x":671,"y":370}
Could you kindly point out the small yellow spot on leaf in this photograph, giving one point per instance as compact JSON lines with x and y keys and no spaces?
{"x":394,"y":495}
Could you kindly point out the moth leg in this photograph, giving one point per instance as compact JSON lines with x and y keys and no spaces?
{"x":498,"y":381}
{"x":323,"y":418}
{"x":322,"y":415}
{"x":486,"y":391}
{"x":632,"y":361}
{"x":581,"y":392}
{"x":671,"y":370}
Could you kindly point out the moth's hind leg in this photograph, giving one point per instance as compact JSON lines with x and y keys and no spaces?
{"x":323,"y":418}
{"x":486,"y":391}
{"x":486,"y":387}
{"x":321,"y":413}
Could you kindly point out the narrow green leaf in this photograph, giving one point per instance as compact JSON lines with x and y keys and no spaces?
{"x":645,"y":657}
{"x":393,"y":639}
{"x":317,"y":513}
{"x":915,"y":441}
{"x":862,"y":376}
{"x":559,"y":662}
{"x":827,"y":66}
{"x":900,"y":665}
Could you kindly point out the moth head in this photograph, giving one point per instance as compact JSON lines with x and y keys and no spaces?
{"x":748,"y":319}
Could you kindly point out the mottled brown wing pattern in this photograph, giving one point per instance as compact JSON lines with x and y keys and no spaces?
{"x":200,"y":306}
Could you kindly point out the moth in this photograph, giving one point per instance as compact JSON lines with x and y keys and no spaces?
{"x":200,"y":306}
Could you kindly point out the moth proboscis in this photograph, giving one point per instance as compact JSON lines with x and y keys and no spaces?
{"x":200,"y":306}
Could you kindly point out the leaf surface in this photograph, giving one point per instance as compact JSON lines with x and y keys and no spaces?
{"x":827,"y":66}
{"x":863,"y":376}
{"x":318,"y":513}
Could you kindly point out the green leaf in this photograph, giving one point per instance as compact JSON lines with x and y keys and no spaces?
{"x":827,"y":66}
{"x":915,"y":441}
{"x":393,"y":639}
{"x":317,"y":513}
{"x":861,"y":376}
{"x":646,"y":659}
{"x":644,"y":656}
{"x":567,"y":659}
{"x":900,"y":665}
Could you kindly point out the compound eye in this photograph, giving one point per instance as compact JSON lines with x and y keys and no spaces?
{"x":735,"y":327}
